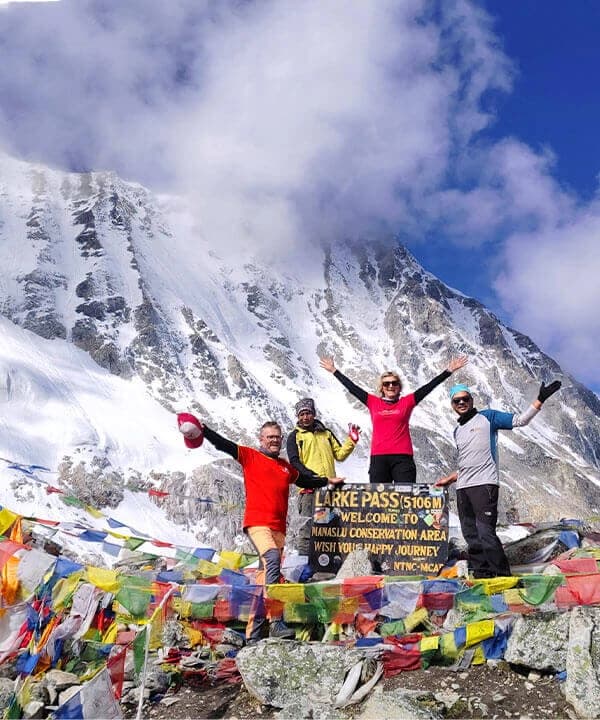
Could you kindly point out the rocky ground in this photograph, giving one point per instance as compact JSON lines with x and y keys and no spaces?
{"x":494,"y":690}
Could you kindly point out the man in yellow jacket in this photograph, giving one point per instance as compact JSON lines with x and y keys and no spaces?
{"x":313,"y":449}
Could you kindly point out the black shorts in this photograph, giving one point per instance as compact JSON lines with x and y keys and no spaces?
{"x":399,"y":469}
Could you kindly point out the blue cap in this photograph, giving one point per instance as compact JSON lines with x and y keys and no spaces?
{"x":459,"y":388}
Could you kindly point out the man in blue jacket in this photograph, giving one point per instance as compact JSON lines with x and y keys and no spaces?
{"x":477,"y":475}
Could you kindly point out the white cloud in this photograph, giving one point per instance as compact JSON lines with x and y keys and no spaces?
{"x":282,"y":120}
{"x":550,"y":286}
{"x":286,"y":122}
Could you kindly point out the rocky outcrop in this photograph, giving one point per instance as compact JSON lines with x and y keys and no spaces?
{"x":302,"y":678}
{"x":539,"y":642}
{"x":582,"y":686}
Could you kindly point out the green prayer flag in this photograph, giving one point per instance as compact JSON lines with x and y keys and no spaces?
{"x":72,"y":501}
{"x":539,"y":588}
{"x":133,"y":543}
{"x":139,"y":650}
{"x":303,"y":613}
{"x":474,"y":603}
{"x":14,"y":710}
{"x":392,"y":628}
{"x":199,"y":611}
{"x":134,"y":595}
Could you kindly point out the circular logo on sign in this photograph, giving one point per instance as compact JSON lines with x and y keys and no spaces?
{"x":323,"y":560}
{"x":380,"y":487}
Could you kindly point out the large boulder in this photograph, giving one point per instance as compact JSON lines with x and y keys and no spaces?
{"x":398,"y":703}
{"x":301,"y":677}
{"x":539,"y":641}
{"x":582,"y":687}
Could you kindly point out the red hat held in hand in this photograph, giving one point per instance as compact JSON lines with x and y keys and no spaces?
{"x":191,"y":429}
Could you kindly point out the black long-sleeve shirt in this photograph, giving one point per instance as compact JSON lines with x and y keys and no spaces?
{"x":420,"y":393}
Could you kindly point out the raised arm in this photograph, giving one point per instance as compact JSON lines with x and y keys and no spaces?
{"x":545,"y":392}
{"x":221,"y":443}
{"x":453,"y":365}
{"x":360,"y":394}
{"x":342,"y":450}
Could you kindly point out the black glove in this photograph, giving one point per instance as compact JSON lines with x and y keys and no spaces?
{"x":547,"y":390}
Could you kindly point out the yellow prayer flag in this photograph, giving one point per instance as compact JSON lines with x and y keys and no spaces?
{"x":64,"y":589}
{"x":208,"y":569}
{"x":429,"y":643}
{"x":479,"y":656}
{"x":182,"y":607}
{"x":110,"y":634}
{"x":230,"y":559}
{"x":447,"y":646}
{"x":495,"y":585}
{"x":7,"y":518}
{"x":288,"y":592}
{"x":513,"y":597}
{"x":478,"y":631}
{"x":24,"y":692}
{"x":415,"y":618}
{"x":156,"y":629}
{"x":107,"y":580}
{"x":194,"y":636}
{"x":93,"y":512}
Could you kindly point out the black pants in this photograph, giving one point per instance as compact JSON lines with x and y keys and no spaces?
{"x":478,"y":514}
{"x":397,"y":468}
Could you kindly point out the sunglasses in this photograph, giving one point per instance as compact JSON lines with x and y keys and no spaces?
{"x":466,"y":399}
{"x":390,"y":383}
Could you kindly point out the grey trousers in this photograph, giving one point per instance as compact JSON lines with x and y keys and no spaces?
{"x":306,"y":510}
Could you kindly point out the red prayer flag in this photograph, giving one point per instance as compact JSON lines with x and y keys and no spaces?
{"x":586,"y":588}
{"x":116,"y":670}
{"x":51,"y":489}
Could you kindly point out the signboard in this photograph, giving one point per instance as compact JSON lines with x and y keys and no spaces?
{"x":404,"y":528}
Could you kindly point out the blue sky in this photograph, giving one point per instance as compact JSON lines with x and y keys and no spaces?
{"x":553,"y":104}
{"x":467,"y":128}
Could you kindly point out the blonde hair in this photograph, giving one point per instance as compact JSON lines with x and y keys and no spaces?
{"x":390,"y":373}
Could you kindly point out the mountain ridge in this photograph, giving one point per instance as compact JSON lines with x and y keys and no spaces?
{"x":93,"y":262}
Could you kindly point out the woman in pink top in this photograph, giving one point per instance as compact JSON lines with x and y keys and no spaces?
{"x":391,"y":446}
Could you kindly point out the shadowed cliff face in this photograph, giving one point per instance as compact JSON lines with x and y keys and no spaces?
{"x":93,"y":261}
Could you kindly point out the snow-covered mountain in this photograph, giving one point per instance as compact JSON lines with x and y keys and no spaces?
{"x":118,"y":312}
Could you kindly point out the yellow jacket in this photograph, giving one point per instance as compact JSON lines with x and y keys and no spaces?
{"x":314,"y":452}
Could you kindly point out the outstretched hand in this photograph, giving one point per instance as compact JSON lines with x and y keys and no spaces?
{"x":448,"y":480}
{"x":353,"y":432}
{"x":327,"y":364}
{"x":547,"y":390}
{"x":335,"y":482}
{"x":191,"y":428}
{"x":457,"y":363}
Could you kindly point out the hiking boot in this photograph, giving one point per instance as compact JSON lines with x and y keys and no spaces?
{"x":259,"y":631}
{"x":278,"y":629}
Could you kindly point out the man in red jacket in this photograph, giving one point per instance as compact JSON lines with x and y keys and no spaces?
{"x":267,"y":480}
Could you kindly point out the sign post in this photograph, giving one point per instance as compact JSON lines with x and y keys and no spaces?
{"x":404,"y":528}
